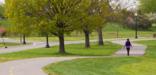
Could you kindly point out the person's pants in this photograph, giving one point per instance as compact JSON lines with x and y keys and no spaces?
{"x":128,"y":50}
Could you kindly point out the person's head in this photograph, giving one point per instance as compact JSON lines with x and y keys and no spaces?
{"x":128,"y":39}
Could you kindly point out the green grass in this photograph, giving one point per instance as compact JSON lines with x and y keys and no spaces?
{"x":151,"y":50}
{"x":72,"y":50}
{"x":9,"y":44}
{"x":4,"y":23}
{"x":113,"y":27}
{"x":144,"y":65}
{"x":96,"y":66}
{"x":106,"y":35}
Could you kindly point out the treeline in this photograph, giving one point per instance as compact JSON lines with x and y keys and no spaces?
{"x":60,"y":17}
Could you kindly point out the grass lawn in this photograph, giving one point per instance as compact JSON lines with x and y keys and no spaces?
{"x":109,"y":31}
{"x":106,"y":35}
{"x":96,"y":66}
{"x":72,"y":50}
{"x":109,"y":66}
{"x":9,"y":44}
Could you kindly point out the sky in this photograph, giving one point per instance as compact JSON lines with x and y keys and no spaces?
{"x":122,"y":1}
{"x":125,"y":3}
{"x":1,"y":1}
{"x":128,"y":4}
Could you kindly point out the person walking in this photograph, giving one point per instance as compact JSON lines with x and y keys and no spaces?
{"x":128,"y":45}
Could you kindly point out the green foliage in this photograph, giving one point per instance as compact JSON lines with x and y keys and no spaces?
{"x":16,"y":12}
{"x":1,"y":11}
{"x":4,"y":23}
{"x":148,"y":5}
{"x":95,"y":14}
{"x":56,"y":16}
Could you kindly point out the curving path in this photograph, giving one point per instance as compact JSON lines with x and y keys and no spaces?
{"x":34,"y":66}
{"x":11,"y":49}
{"x":29,"y":66}
{"x":136,"y":50}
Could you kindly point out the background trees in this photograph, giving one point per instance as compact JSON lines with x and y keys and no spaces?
{"x":60,"y":17}
{"x":16,"y":12}
{"x":2,"y":11}
{"x":95,"y":15}
{"x":148,"y":5}
{"x":103,"y":13}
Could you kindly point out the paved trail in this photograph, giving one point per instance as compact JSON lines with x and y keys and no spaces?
{"x":136,"y":50}
{"x":29,"y":66}
{"x":32,"y":46}
{"x":34,"y":66}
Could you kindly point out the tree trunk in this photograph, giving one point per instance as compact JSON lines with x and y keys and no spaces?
{"x":61,"y":44}
{"x":24,"y":39}
{"x":47,"y":41}
{"x":100,"y":37}
{"x":87,"y":39}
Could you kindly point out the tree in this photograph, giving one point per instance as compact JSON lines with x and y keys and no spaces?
{"x":88,"y":26}
{"x":102,"y":10}
{"x":148,"y":5}
{"x":88,"y":20}
{"x":43,"y":28}
{"x":16,"y":12}
{"x":61,"y":16}
{"x":2,"y":11}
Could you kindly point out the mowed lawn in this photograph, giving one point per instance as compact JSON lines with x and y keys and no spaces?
{"x":106,"y":35}
{"x":145,"y":65}
{"x":72,"y":50}
{"x":8,"y":44}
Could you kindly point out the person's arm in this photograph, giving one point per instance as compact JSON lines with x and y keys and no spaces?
{"x":125,"y":45}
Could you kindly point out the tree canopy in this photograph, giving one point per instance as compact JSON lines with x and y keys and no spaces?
{"x":148,"y":5}
{"x":57,"y":17}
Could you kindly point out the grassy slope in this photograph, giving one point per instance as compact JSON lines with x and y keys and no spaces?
{"x":72,"y":50}
{"x":109,"y":66}
{"x":97,"y":66}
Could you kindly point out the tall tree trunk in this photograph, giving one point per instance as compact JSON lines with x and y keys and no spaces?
{"x":100,"y":37}
{"x":87,"y":39}
{"x":61,"y":43}
{"x":47,"y":41}
{"x":24,"y":39}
